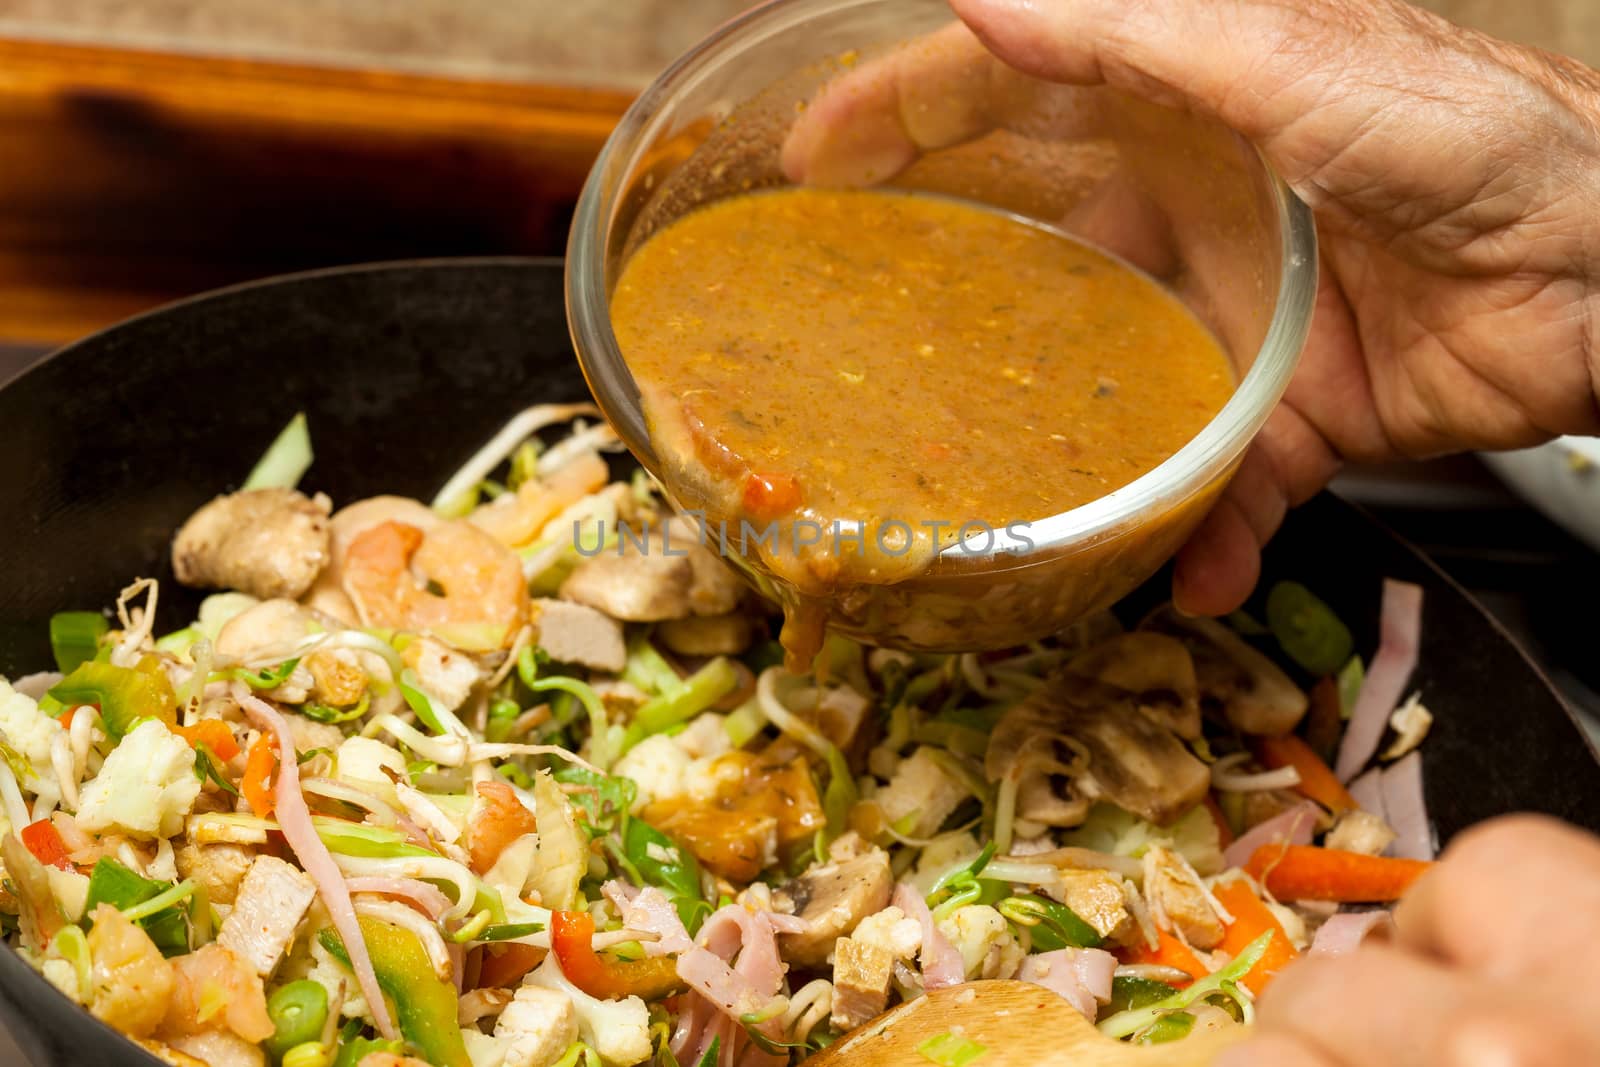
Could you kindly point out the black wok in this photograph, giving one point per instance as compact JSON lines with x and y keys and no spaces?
{"x":404,"y":371}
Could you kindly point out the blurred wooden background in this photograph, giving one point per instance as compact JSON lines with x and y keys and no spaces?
{"x":155,"y":148}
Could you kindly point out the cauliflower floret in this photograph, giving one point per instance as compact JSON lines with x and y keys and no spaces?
{"x":328,"y":972}
{"x":892,"y":931}
{"x":619,"y":1030}
{"x":705,"y":737}
{"x":363,"y":761}
{"x":483,"y":1050}
{"x":984,"y":939}
{"x":657,"y":766}
{"x":30,"y":733}
{"x":145,"y":788}
{"x":539,"y":1024}
{"x":26,"y":728}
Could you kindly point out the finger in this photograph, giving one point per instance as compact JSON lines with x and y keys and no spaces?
{"x":1218,"y":566}
{"x":1273,"y":1050}
{"x":870,"y":124}
{"x":1517,"y":898}
{"x":1381,"y":1007}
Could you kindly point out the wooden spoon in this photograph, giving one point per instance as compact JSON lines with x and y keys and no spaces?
{"x":1019,"y":1024}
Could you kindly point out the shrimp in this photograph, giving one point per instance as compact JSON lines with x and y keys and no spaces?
{"x":132,"y":983}
{"x":517,"y":518}
{"x":498,"y":819}
{"x":216,"y":990}
{"x":452,"y":581}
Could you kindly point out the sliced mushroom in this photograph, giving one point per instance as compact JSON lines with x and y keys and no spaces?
{"x":265,"y":542}
{"x":1028,"y":747}
{"x":833,"y":899}
{"x":1155,"y":669}
{"x":1120,"y":754}
{"x":1255,"y":696}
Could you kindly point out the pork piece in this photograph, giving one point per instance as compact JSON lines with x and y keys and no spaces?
{"x":575,"y":633}
{"x":272,"y":900}
{"x":1178,"y":901}
{"x":833,"y":899}
{"x":672,"y":576}
{"x":265,"y":542}
{"x":861,"y":973}
{"x":923,"y":791}
{"x":219,"y":869}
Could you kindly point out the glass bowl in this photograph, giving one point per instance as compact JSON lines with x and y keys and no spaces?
{"x":1177,"y":195}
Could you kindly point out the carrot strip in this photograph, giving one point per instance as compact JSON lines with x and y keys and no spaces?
{"x":1251,"y":919}
{"x":260,"y":765}
{"x":1317,"y":780}
{"x":1169,"y":953}
{"x":1304,"y":872}
{"x":214,"y":734}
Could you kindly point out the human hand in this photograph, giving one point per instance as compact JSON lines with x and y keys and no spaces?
{"x":1489,"y":968}
{"x":1455,"y":181}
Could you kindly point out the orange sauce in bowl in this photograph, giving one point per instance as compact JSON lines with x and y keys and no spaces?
{"x":867,"y":377}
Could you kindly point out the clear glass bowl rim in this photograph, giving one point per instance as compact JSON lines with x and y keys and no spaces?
{"x":1204,"y":458}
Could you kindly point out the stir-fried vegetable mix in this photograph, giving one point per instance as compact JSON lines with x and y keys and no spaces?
{"x":518,"y":780}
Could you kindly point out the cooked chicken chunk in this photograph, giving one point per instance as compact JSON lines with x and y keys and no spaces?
{"x":272,"y":900}
{"x":631,"y":585}
{"x":1178,"y":901}
{"x":833,"y":899}
{"x":538,"y":1026}
{"x":1096,"y":897}
{"x":265,"y":542}
{"x":1360,"y":831}
{"x":576,"y":633}
{"x":861,"y":973}
{"x":670,"y":576}
{"x":264,"y":631}
{"x":921,"y":792}
{"x":446,"y":675}
{"x":715,"y":635}
{"x":217,"y":868}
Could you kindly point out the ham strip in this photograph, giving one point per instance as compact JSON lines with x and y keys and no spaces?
{"x":1344,"y":933}
{"x":941,"y":963}
{"x":649,"y":909}
{"x":294,"y":820}
{"x":1399,"y":640}
{"x":1294,"y":826}
{"x":428,"y":898}
{"x":1082,"y":976}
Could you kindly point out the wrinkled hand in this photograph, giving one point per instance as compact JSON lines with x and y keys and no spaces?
{"x":1456,"y":185}
{"x":1490,"y":968}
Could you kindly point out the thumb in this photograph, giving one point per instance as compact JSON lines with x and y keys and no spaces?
{"x":1260,"y":66}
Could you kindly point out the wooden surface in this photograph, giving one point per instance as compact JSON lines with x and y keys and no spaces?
{"x":1019,"y":1025}
{"x":128,"y":179}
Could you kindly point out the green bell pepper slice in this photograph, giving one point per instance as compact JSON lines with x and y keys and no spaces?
{"x":125,"y":695}
{"x":424,"y":1005}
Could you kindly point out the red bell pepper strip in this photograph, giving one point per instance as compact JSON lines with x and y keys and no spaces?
{"x":572,"y":940}
{"x":44,"y":841}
